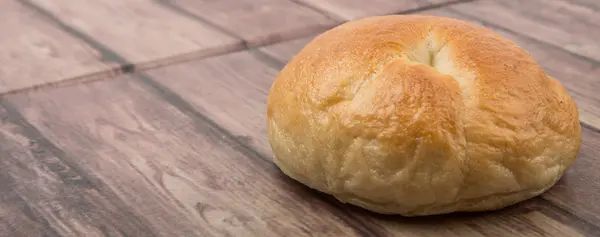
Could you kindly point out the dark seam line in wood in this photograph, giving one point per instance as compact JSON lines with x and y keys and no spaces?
{"x":106,"y":55}
{"x":48,"y":228}
{"x":583,"y":5}
{"x":340,"y":18}
{"x":123,"y":70}
{"x":35,"y":136}
{"x":434,"y":6}
{"x":179,"y":103}
{"x":246,"y":45}
{"x":129,"y":67}
{"x":267,"y":59}
{"x":32,"y":133}
{"x":183,"y":12}
{"x":590,"y":127}
{"x":27,"y":209}
{"x":317,"y":9}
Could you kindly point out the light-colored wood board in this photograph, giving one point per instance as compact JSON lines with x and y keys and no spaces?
{"x":34,"y":52}
{"x":593,"y":4}
{"x":355,"y":9}
{"x":284,"y":51}
{"x":514,"y":221}
{"x":176,"y":172}
{"x":41,"y":195}
{"x":16,"y":218}
{"x":235,"y":100}
{"x":545,"y":21}
{"x":557,"y":12}
{"x":140,"y":31}
{"x":256,"y":21}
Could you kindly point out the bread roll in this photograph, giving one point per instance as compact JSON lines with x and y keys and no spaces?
{"x":420,"y":115}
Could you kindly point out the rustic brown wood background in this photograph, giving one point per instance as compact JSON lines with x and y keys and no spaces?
{"x":146,"y":118}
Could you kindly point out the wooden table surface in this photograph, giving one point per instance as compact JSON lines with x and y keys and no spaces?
{"x":146,"y":118}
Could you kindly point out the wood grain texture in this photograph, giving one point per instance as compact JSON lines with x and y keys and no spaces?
{"x":558,"y":23}
{"x":139,"y":30}
{"x":559,"y":12}
{"x":42,"y":195}
{"x":592,"y":4}
{"x":256,"y":21}
{"x":175,"y":171}
{"x":515,"y":221}
{"x":355,"y":9}
{"x":234,"y":99}
{"x":16,"y":217}
{"x":284,"y":51}
{"x":34,"y":52}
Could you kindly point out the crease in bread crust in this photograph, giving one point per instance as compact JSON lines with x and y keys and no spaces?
{"x":420,"y":115}
{"x":426,"y":47}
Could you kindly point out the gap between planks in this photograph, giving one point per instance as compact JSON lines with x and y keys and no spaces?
{"x":127,"y":67}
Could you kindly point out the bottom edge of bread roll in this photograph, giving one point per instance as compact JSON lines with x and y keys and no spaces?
{"x":487,"y":203}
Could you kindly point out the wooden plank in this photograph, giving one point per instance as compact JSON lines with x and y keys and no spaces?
{"x":235,"y":100}
{"x":42,"y":195}
{"x":558,"y":12}
{"x":256,"y":21}
{"x":140,"y":30}
{"x":178,"y":173}
{"x":593,"y":4}
{"x":16,"y":218}
{"x":508,"y":222}
{"x":573,"y":28}
{"x":284,"y":51}
{"x":355,"y":9}
{"x":34,"y":52}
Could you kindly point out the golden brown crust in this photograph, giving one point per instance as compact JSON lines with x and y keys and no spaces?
{"x":419,"y":115}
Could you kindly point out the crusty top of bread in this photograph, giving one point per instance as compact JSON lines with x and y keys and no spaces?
{"x":417,"y":115}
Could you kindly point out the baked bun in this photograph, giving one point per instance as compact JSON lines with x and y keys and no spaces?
{"x":420,"y":115}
